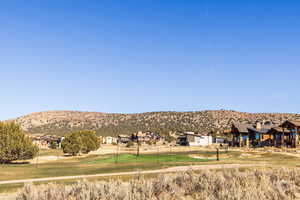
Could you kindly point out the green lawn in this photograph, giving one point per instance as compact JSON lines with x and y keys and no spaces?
{"x":148,"y":158}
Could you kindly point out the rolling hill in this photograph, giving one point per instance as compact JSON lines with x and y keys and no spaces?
{"x":63,"y":122}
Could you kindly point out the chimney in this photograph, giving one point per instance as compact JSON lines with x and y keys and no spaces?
{"x":258,"y":125}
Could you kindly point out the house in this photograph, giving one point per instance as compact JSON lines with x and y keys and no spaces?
{"x":240,"y":134}
{"x":267,"y":134}
{"x":194,"y":139}
{"x":251,"y":135}
{"x":143,"y":137}
{"x":288,"y":134}
{"x":220,"y":140}
{"x":259,"y":134}
{"x":124,"y":139}
{"x":280,"y":137}
{"x":109,"y":140}
{"x":44,"y":141}
{"x":139,"y":137}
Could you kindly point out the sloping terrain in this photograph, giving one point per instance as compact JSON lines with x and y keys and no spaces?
{"x":63,"y":122}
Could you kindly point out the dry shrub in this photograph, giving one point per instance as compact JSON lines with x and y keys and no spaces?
{"x":204,"y":185}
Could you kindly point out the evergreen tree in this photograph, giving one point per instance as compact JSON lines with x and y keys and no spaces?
{"x":14,"y":145}
{"x":82,"y":141}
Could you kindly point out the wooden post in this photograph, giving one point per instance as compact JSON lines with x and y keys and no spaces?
{"x":260,"y":135}
{"x":248,"y":141}
{"x":241,"y":140}
{"x":218,"y":159}
{"x":297,"y":138}
{"x":282,"y":138}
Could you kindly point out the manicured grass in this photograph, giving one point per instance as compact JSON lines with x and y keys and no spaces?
{"x":148,"y":158}
{"x":96,"y":164}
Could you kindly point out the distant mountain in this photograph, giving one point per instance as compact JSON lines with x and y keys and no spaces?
{"x":63,"y":122}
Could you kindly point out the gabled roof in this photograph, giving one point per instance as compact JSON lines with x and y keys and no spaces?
{"x":291,"y":124}
{"x":242,"y":128}
{"x":263,"y":129}
{"x":280,"y":129}
{"x":295,"y":122}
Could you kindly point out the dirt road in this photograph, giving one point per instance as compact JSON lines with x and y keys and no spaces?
{"x":167,"y":170}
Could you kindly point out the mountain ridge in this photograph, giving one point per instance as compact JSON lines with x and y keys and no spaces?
{"x":60,"y":122}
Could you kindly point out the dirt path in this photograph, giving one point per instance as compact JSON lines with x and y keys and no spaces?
{"x":167,"y":170}
{"x":288,"y":154}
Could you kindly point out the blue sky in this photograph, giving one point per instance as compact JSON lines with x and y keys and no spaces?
{"x":134,"y":56}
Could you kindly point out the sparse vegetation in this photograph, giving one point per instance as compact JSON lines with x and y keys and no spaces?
{"x":14,"y":145}
{"x":63,"y":122}
{"x":204,"y":185}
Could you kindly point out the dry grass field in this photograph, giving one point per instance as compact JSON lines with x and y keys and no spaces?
{"x":204,"y":185}
{"x":126,"y":161}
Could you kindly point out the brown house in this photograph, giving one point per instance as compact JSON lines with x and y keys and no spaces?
{"x":287,"y":134}
{"x":290,"y":129}
{"x":277,"y":134}
{"x":251,"y":135}
{"x":240,"y":134}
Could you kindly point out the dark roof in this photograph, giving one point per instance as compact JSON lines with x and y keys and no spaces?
{"x":279,"y":129}
{"x":293,"y":122}
{"x":263,"y":129}
{"x":242,"y":128}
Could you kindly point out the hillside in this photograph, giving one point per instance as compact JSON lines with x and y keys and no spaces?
{"x":62,"y":122}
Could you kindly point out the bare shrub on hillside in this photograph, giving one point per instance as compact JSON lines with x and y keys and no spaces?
{"x":205,"y":185}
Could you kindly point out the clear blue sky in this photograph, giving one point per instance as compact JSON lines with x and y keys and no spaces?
{"x":135,"y":56}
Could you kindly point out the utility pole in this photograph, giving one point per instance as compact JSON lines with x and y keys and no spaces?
{"x":218,"y":159}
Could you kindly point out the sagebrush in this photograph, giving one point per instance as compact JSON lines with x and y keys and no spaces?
{"x":204,"y":185}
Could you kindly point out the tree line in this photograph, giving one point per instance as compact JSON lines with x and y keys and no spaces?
{"x":15,"y":145}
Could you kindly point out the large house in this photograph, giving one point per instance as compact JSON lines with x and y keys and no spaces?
{"x":289,"y":133}
{"x":107,"y":140}
{"x":251,"y":135}
{"x":240,"y":134}
{"x":44,"y":141}
{"x":194,"y":139}
{"x":262,"y":134}
{"x":145,"y":137}
{"x":124,"y":139}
